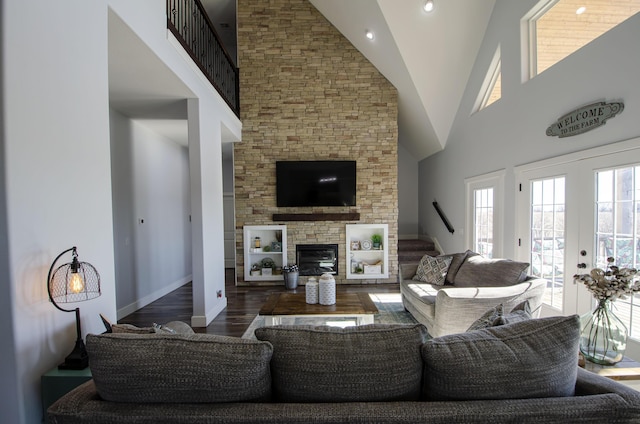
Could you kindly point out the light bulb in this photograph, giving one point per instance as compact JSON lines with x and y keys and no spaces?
{"x":76,"y":284}
{"x":428,"y":6}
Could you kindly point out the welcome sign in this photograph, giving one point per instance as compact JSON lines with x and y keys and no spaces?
{"x":584,"y":119}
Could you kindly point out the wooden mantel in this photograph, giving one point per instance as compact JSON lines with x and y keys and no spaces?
{"x":350,"y":216}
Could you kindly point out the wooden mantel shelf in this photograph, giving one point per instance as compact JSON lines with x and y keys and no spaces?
{"x":350,"y":216}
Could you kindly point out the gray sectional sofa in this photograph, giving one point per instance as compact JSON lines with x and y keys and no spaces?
{"x":521,"y":372}
{"x":471,"y":285}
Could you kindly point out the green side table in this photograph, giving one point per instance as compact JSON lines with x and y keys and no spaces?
{"x":56,"y":383}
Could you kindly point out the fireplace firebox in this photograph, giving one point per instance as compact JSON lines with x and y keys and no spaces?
{"x":316,"y":259}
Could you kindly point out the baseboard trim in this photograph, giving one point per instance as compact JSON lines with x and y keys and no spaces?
{"x":150,"y":298}
{"x":435,"y":243}
{"x":199,"y":321}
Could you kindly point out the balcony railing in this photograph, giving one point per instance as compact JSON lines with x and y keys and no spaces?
{"x":191,"y":26}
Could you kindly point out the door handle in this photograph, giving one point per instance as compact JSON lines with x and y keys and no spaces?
{"x":582,"y":265}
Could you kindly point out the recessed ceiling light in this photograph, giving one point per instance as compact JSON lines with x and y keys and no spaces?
{"x":428,"y":6}
{"x":581,"y":10}
{"x":369,"y":34}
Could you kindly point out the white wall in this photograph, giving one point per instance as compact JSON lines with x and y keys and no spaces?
{"x":150,"y":175}
{"x":407,"y":194}
{"x":58,"y":190}
{"x":57,"y":175}
{"x":512,"y":131}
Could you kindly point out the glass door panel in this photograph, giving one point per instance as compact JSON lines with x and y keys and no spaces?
{"x":617,"y":233}
{"x":547,"y":236}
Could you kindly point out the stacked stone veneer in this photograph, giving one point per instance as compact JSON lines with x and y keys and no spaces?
{"x":307,"y":94}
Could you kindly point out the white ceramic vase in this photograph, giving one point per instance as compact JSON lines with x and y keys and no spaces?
{"x":327,"y":289}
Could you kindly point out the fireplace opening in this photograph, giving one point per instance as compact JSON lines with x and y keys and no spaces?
{"x":316,"y":259}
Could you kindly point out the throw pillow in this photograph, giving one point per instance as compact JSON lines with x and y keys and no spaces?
{"x":173,"y":327}
{"x":457,"y":259}
{"x":521,"y":312}
{"x":432,"y":269}
{"x":488,"y":318}
{"x":355,"y":364}
{"x":478,"y":271}
{"x":496,"y":316}
{"x":131,"y":329}
{"x":529,"y":359}
{"x":190,"y":368}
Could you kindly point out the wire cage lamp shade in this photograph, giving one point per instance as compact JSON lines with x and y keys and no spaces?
{"x":74,"y":282}
{"x":69,"y":283}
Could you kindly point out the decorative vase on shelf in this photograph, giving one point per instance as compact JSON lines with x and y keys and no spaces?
{"x":603,"y":338}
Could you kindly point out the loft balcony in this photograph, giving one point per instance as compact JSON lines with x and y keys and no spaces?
{"x":190,"y":24}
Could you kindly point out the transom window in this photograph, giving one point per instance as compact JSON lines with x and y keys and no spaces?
{"x":558,"y":28}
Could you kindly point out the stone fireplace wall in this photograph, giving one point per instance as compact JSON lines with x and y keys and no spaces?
{"x":307,"y":94}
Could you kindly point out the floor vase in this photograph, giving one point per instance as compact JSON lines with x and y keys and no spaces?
{"x":603,"y":338}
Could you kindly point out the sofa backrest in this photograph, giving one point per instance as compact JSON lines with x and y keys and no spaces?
{"x":355,"y":364}
{"x":529,"y":359}
{"x":169,"y":368}
{"x":478,"y":271}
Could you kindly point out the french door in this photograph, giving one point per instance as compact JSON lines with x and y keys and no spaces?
{"x":572,"y":213}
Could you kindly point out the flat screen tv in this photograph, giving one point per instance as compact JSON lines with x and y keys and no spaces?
{"x":316,"y":183}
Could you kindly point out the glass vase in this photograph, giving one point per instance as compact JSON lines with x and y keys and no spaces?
{"x":603,"y":338}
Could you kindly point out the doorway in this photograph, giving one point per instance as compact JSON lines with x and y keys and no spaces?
{"x":573,"y":213}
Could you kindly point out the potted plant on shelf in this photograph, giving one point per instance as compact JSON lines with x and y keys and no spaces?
{"x":376,"y":240}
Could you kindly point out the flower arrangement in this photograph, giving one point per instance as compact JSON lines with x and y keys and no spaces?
{"x":603,"y":337}
{"x":611,"y":283}
{"x":290,"y":268}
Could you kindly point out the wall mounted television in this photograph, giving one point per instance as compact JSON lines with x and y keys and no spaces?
{"x":316,"y":183}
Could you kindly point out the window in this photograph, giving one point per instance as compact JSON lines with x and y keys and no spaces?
{"x":483,"y":222}
{"x":491,"y":89}
{"x":557,"y":28}
{"x":484,"y":214}
{"x":618,"y":231}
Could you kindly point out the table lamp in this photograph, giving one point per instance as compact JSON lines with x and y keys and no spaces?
{"x":73,"y":282}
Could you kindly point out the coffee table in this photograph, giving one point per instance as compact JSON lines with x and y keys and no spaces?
{"x":357,"y":305}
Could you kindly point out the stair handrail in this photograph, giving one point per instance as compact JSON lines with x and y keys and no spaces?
{"x":443,"y":217}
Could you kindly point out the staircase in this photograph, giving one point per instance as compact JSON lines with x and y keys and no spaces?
{"x":412,"y":250}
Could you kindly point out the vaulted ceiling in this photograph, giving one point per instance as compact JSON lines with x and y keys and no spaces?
{"x":427,"y":56}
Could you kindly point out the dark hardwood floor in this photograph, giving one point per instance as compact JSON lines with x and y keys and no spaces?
{"x":243,"y":304}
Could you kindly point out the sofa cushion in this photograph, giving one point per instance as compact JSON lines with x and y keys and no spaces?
{"x":190,"y":368}
{"x":529,"y":359}
{"x":355,"y":364}
{"x":432,"y":269}
{"x":457,"y":259}
{"x":478,"y":271}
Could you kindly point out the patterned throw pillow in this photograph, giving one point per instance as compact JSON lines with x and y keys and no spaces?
{"x":433,"y":270}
